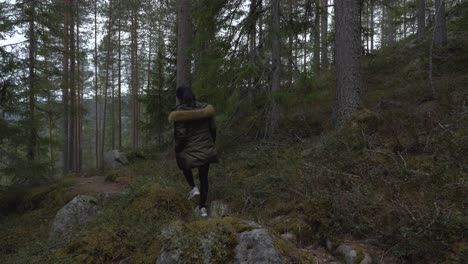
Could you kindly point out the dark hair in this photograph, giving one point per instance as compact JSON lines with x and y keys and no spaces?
{"x":185,"y":95}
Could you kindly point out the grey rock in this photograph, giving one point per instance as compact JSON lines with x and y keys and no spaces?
{"x":350,"y":253}
{"x":81,"y":210}
{"x":257,"y":247}
{"x":115,"y":159}
{"x":169,"y":257}
{"x":289,"y":237}
{"x":218,"y":209}
{"x":307,"y":152}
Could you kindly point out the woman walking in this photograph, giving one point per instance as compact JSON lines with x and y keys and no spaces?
{"x":195,"y":136}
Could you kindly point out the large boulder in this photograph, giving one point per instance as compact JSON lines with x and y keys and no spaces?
{"x":81,"y":210}
{"x":115,"y":159}
{"x":217,"y":240}
{"x":256,"y":246}
{"x":353,"y":254}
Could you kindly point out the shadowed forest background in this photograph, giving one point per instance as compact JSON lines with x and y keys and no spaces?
{"x":340,"y":122}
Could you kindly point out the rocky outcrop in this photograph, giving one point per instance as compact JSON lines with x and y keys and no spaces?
{"x":353,"y":254}
{"x":217,"y":242}
{"x":81,"y":210}
{"x":256,"y":246}
{"x":115,"y":159}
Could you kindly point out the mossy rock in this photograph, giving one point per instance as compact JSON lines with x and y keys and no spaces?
{"x":295,"y":225}
{"x":212,"y":240}
{"x":156,"y":203}
{"x":291,"y":254}
{"x":112,"y":175}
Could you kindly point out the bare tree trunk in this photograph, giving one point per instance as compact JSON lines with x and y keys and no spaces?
{"x":372,"y":30}
{"x":252,"y":43}
{"x":440,"y":28}
{"x":324,"y":33}
{"x":316,"y":44}
{"x":347,"y":59}
{"x":31,"y":153}
{"x":306,"y":17}
{"x":120,"y":87}
{"x":275,"y":65}
{"x":421,"y":18}
{"x":134,"y":77}
{"x":96,"y":138}
{"x":79,"y":93}
{"x":405,"y":28}
{"x":66,"y":84}
{"x":106,"y":86}
{"x":112,"y":106}
{"x":184,"y":39}
{"x":73,"y":101}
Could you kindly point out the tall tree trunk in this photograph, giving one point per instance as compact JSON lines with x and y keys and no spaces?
{"x":372,"y":24}
{"x":96,"y":136}
{"x":405,"y":28}
{"x":421,"y":18}
{"x":106,"y":86}
{"x":134,"y":76}
{"x":440,"y":28}
{"x":347,"y":59}
{"x":275,"y":66}
{"x":31,"y":153}
{"x":184,"y":39}
{"x":112,"y":106}
{"x":66,"y":84}
{"x":120,"y":87}
{"x":73,"y":107}
{"x":79,"y":93}
{"x":306,"y":18}
{"x":252,"y":43}
{"x":324,"y":33}
{"x":316,"y":47}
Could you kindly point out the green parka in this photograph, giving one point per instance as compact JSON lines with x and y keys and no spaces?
{"x":194,"y":134}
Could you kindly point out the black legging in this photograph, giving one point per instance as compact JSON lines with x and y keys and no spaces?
{"x":203,"y":174}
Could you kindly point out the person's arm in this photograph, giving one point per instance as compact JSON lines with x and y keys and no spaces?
{"x":180,"y":136}
{"x":213,"y":128}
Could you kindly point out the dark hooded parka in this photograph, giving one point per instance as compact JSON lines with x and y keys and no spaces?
{"x":195,"y":135}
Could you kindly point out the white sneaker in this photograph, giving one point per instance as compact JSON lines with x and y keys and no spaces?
{"x":194,"y":192}
{"x":203,"y":212}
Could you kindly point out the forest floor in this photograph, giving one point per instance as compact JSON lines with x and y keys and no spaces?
{"x":394,"y":177}
{"x":95,"y":185}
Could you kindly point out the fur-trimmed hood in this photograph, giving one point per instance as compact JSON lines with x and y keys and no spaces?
{"x":194,"y":114}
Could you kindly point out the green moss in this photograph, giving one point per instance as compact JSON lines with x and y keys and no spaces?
{"x":154,"y":202}
{"x":198,"y":239}
{"x":291,"y":254}
{"x":112,"y":175}
{"x":359,"y":257}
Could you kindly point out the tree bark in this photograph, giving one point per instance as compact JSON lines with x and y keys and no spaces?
{"x":96,"y":136}
{"x":120,"y":88}
{"x":134,"y":75}
{"x":275,"y":66}
{"x":73,"y":101}
{"x":184,"y":39}
{"x":348,"y":46}
{"x":324,"y":34}
{"x":440,"y":28}
{"x":31,"y":152}
{"x":372,"y":24}
{"x":65,"y":89}
{"x":421,"y":18}
{"x":106,"y":86}
{"x":316,"y":48}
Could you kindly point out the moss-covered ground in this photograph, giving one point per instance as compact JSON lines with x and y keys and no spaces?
{"x":396,"y":173}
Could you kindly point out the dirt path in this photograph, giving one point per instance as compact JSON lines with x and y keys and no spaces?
{"x":95,"y":185}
